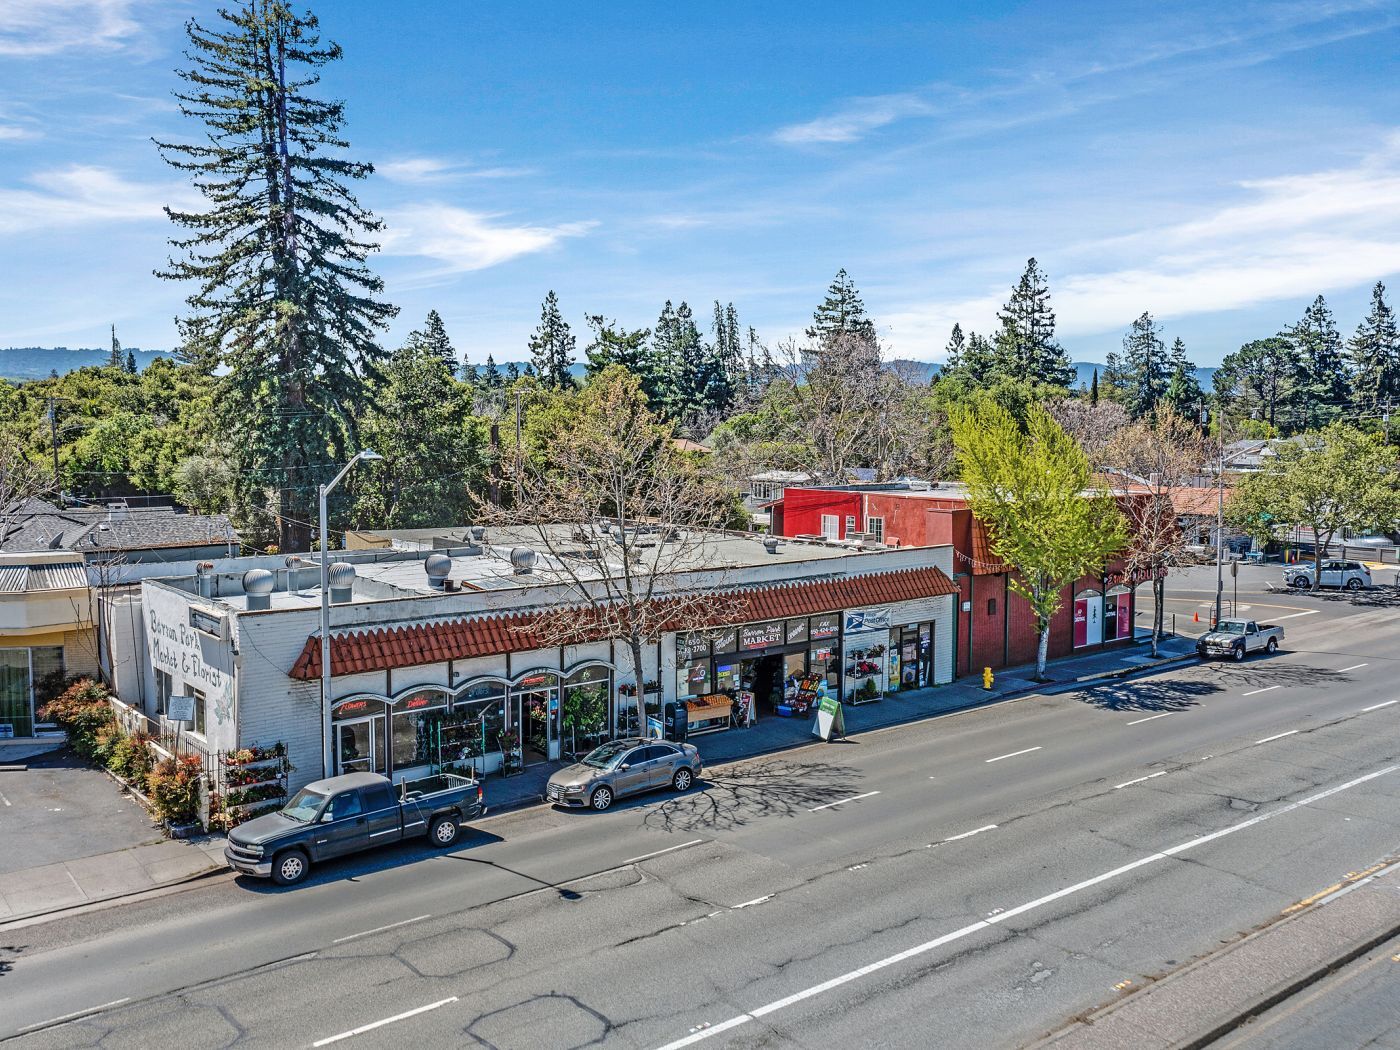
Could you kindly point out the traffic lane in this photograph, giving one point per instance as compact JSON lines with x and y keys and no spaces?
{"x":1358,"y":1005}
{"x":635,"y":946}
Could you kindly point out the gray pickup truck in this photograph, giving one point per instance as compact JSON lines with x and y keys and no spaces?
{"x":346,"y":814}
{"x":1238,"y":638}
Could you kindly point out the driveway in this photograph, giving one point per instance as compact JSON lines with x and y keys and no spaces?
{"x":55,"y":807}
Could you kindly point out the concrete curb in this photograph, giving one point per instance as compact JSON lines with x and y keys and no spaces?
{"x":15,"y":922}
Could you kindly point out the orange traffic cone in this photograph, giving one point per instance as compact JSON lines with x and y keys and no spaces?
{"x":1195,"y":617}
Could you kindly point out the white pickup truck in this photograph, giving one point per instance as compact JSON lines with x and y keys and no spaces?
{"x":1238,"y":638}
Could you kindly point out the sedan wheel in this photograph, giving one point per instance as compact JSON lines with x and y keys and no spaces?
{"x":1298,"y":581}
{"x":683,"y":779}
{"x":601,"y":799}
{"x":1353,"y":584}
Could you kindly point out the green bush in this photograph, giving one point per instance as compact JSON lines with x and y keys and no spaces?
{"x":131,"y":758}
{"x":173,"y":788}
{"x":83,"y":713}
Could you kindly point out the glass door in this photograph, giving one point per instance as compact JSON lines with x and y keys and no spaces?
{"x":359,"y":746}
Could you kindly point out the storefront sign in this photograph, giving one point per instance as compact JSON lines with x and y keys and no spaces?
{"x":689,"y":646}
{"x":726,"y":641}
{"x":867,"y":620}
{"x":351,"y":708}
{"x":534,"y":681}
{"x":830,"y":720}
{"x":188,"y":655}
{"x":761,"y":635}
{"x":420,"y":701}
{"x":827,"y":625}
{"x":797,"y":631}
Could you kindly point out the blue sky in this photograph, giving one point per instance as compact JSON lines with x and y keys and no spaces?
{"x":1216,"y":164}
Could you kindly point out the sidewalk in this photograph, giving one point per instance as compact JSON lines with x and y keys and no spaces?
{"x":772,"y":733}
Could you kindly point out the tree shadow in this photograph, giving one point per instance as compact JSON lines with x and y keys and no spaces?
{"x":1376,"y":598}
{"x":1148,"y":695}
{"x":8,"y":954}
{"x":740,"y":795}
{"x":1262,"y":670}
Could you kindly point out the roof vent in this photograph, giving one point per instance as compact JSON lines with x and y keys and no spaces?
{"x":770,"y":544}
{"x":258,"y":585}
{"x":204,"y":579}
{"x":437,"y":566}
{"x":477,"y":533}
{"x":522,"y":560}
{"x":341,"y":576}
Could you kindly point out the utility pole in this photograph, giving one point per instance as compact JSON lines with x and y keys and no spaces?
{"x":53,"y":434}
{"x":1220,"y":509}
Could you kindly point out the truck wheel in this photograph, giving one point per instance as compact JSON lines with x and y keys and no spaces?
{"x":444,"y":831}
{"x":1238,"y":653}
{"x":1272,"y":647}
{"x":601,"y":799}
{"x":290,"y":867}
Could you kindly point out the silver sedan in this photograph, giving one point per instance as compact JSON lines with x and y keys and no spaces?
{"x":623,"y":767}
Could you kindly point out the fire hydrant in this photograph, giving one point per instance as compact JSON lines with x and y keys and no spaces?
{"x":987,"y":678}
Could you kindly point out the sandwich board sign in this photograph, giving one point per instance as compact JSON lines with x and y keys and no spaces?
{"x":830,"y":720}
{"x":179,"y":709}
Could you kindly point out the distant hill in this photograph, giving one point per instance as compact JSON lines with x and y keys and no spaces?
{"x":37,"y":362}
{"x":923,"y":371}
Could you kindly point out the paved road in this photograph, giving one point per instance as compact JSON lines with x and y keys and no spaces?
{"x":968,"y":881}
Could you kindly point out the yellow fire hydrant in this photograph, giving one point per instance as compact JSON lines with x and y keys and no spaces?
{"x":987,"y":678}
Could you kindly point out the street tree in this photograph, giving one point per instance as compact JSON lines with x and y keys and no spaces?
{"x":552,"y":346}
{"x":1160,"y":454}
{"x":1325,"y":481}
{"x":283,"y":298}
{"x":1025,"y":348}
{"x":1032,"y":486}
{"x":1375,"y":357}
{"x":623,"y":523}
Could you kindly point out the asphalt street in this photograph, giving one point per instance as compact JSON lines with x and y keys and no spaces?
{"x":967,"y":881}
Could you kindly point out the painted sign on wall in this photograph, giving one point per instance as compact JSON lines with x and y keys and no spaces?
{"x":186,"y":654}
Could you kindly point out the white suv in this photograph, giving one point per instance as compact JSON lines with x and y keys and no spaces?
{"x":1349,"y":574}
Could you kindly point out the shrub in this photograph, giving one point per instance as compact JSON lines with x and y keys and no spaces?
{"x":131,"y":758}
{"x":173,"y":787}
{"x":83,"y":713}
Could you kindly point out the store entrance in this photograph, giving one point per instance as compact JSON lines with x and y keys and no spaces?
{"x":763,"y":676}
{"x":360,"y":746}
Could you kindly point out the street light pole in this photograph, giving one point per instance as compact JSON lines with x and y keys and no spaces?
{"x":323,"y":492}
{"x":1220,"y":517}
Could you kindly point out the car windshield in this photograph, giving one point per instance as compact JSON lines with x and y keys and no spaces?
{"x":304,"y":805}
{"x":1231,"y":627}
{"x":606,"y":755}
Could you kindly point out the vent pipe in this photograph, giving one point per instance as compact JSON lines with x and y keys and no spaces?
{"x":341,"y":575}
{"x":204,"y":579}
{"x":522,"y":560}
{"x":770,"y":544}
{"x":257,"y":586}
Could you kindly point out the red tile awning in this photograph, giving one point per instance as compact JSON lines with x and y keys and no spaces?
{"x":984,"y":560}
{"x":385,"y":648}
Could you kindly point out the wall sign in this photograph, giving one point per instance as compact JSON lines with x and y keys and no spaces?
{"x":189,"y":655}
{"x":867,"y":620}
{"x":761,"y":635}
{"x":827,"y":625}
{"x":180,"y":709}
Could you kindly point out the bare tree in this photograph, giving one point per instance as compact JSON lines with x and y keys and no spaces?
{"x":21,"y":479}
{"x":1094,"y":425}
{"x":623,"y":522}
{"x":1160,"y":455}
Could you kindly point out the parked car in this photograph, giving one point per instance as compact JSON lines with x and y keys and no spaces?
{"x":1349,"y":574}
{"x":623,"y":767}
{"x":1238,"y":638}
{"x":346,"y":814}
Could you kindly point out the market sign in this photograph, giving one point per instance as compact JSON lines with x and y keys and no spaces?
{"x":761,"y":635}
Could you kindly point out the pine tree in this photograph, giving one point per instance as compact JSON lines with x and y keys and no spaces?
{"x":1183,"y":391}
{"x":114,"y":357}
{"x":1146,"y":357}
{"x":491,"y":375}
{"x":283,"y":299}
{"x":1322,"y":369}
{"x":728,"y":355}
{"x":512,"y":372}
{"x":130,"y":363}
{"x":1025,"y":346}
{"x":1094,"y":388}
{"x":954,"y":351}
{"x":1117,"y":380}
{"x":612,"y":345}
{"x":470,"y":374}
{"x":432,"y":341}
{"x":842,"y":312}
{"x":1375,"y":356}
{"x":1261,"y":379}
{"x":552,"y":346}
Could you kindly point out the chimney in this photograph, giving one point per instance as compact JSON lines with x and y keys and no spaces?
{"x":341,"y":575}
{"x":257,"y":586}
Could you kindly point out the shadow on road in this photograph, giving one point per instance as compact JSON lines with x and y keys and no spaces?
{"x":736,"y":796}
{"x":1375,"y":598}
{"x":1259,"y":671}
{"x":1148,"y":695}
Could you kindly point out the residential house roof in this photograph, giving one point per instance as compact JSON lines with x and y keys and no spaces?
{"x":37,"y":525}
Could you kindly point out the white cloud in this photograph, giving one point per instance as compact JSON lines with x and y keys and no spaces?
{"x":1293,"y":237}
{"x":46,"y":27}
{"x":14,"y":133}
{"x":853,"y":120}
{"x":82,"y":194}
{"x":426,"y":170}
{"x":466,"y":240}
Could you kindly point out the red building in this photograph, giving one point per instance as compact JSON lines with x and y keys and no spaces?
{"x":996,"y":627}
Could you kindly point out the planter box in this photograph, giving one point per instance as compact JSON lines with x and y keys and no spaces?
{"x":184,"y":831}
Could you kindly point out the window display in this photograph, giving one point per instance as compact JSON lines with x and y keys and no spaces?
{"x":413,"y":727}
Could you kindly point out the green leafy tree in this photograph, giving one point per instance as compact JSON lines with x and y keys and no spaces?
{"x":282,"y":296}
{"x":1325,"y":481}
{"x":1323,"y":386}
{"x":1035,"y":491}
{"x":1025,"y":347}
{"x":1146,"y":356}
{"x":206,"y":484}
{"x":1260,"y":382}
{"x":1375,"y":356}
{"x":552,"y":346}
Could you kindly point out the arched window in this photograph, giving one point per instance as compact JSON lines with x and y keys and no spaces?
{"x":479,"y":709}
{"x":356,"y":707}
{"x":587,"y":694}
{"x":415,"y":725}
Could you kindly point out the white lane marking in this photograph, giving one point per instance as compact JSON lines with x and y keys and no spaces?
{"x":1002,"y":916}
{"x":1139,"y":780}
{"x":1292,"y":616}
{"x":1377,"y":707}
{"x":380,"y":929}
{"x":756,"y":900}
{"x":668,"y":849}
{"x":75,"y":1013}
{"x":1151,"y":718}
{"x":969,"y":834}
{"x":1266,"y":689}
{"x":7,"y":801}
{"x":1013,"y":754}
{"x":1353,"y":667}
{"x":843,"y":801}
{"x":380,"y":1024}
{"x":1276,"y":736}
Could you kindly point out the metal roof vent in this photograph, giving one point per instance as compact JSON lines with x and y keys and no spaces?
{"x":204,"y":580}
{"x":437,"y":566}
{"x":341,"y":576}
{"x":477,"y":533}
{"x":258,"y":585}
{"x":522,"y":560}
{"x":770,"y":544}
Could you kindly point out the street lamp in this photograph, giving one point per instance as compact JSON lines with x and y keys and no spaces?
{"x":324,"y":491}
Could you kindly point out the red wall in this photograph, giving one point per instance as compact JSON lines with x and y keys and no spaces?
{"x":803,"y":510}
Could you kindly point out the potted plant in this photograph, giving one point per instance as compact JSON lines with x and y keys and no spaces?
{"x":174,"y":787}
{"x":512,"y":759}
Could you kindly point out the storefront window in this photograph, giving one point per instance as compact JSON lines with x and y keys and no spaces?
{"x":727,"y":676}
{"x":481,"y":709}
{"x":825,"y":660}
{"x":16,"y":712}
{"x":415,"y":727}
{"x":585,"y":715}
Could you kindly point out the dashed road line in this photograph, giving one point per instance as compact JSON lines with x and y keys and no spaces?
{"x":74,"y":1015}
{"x":1294,"y":616}
{"x":1266,"y":689}
{"x":1151,"y":718}
{"x":380,"y":929}
{"x":1139,"y":780}
{"x":969,"y":834}
{"x":1353,"y":667}
{"x":843,"y":801}
{"x":668,"y":849}
{"x":1276,"y":736}
{"x":380,"y":1024}
{"x":1377,"y":707}
{"x":1013,"y":754}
